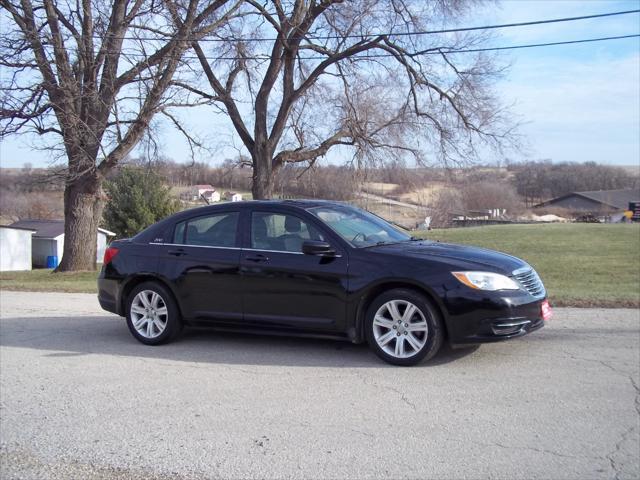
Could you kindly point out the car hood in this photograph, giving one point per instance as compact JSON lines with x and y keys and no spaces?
{"x":462,"y":256}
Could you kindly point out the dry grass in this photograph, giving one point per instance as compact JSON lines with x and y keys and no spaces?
{"x":44,"y":280}
{"x":425,"y":195}
{"x":379,"y":188}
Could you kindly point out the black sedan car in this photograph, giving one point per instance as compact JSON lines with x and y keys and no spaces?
{"x":316,"y":268}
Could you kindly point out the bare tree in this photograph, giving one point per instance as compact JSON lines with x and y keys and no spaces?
{"x":299,"y":78}
{"x":327,"y":182}
{"x":446,"y":204}
{"x":539,"y":181}
{"x":94,"y":74}
{"x":488,"y":195}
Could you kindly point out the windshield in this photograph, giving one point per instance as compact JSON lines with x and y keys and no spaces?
{"x":361,"y":229}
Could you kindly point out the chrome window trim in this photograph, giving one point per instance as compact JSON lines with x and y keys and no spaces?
{"x":233,"y":248}
{"x":272,"y":251}
{"x":283,"y":251}
{"x":196,"y":246}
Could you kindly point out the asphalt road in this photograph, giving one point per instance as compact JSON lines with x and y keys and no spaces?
{"x":80,"y":398}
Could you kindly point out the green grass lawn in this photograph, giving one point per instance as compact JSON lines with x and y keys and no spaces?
{"x":44,"y":280}
{"x":580,"y":264}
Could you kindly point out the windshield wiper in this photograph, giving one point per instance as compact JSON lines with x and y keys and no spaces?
{"x":382,"y":242}
{"x":377,"y":244}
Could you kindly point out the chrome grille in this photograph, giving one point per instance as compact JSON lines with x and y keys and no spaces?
{"x":530,"y":281}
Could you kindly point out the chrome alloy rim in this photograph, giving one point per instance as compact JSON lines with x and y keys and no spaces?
{"x":400,"y":328}
{"x":149,"y":314}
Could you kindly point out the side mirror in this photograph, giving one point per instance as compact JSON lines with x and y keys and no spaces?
{"x":318,"y":248}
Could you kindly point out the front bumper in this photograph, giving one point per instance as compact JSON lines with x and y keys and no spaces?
{"x":483,"y":317}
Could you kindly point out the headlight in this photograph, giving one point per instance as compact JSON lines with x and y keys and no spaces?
{"x":486,"y":281}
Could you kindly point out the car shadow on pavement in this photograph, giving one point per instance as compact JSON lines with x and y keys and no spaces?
{"x":109,"y":335}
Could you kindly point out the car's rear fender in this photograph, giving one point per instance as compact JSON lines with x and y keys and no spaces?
{"x":134,"y":280}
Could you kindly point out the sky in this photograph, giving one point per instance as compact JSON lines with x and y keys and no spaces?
{"x":575,"y":103}
{"x":578,"y":102}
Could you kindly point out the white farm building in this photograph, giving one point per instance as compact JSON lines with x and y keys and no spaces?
{"x":48,"y":240}
{"x":198,"y":190}
{"x":15,"y":248}
{"x":211,"y":196}
{"x":232,"y":196}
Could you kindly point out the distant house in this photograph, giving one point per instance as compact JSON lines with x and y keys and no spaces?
{"x":599,"y":203}
{"x":48,"y":240}
{"x":211,"y":196}
{"x":197,"y":190}
{"x":15,"y":248}
{"x":232,"y":196}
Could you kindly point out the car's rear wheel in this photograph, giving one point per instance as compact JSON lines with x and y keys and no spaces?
{"x":152,"y":314}
{"x":403,"y":327}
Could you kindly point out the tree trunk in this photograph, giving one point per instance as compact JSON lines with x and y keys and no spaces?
{"x":263,"y":172}
{"x":83,"y":205}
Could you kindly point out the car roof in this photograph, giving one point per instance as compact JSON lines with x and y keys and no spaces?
{"x":299,"y":203}
{"x":295,"y":203}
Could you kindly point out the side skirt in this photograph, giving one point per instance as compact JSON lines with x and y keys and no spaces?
{"x":273,"y":333}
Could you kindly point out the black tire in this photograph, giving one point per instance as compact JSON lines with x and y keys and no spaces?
{"x":173,"y":325}
{"x":434,"y":334}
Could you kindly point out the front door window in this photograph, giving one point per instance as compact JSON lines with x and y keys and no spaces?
{"x":281,"y":232}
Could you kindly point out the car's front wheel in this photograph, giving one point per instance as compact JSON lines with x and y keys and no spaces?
{"x":403,"y":327}
{"x":152,"y":314}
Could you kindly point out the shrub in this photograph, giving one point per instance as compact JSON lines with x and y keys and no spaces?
{"x":137,"y":199}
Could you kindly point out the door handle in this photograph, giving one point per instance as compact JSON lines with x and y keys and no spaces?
{"x":257,"y":258}
{"x":177,"y":253}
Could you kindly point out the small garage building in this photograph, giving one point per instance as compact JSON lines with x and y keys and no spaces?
{"x":15,"y":248}
{"x":48,"y":240}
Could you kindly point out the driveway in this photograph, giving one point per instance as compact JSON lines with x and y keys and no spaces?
{"x":80,"y":398}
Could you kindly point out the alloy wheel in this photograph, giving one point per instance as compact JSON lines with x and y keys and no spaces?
{"x":149,"y":314}
{"x":400,"y":328}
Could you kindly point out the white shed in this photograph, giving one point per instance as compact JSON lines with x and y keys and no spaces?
{"x":15,"y":248}
{"x":211,"y":196}
{"x":232,"y":196}
{"x":197,"y":190}
{"x":48,"y":240}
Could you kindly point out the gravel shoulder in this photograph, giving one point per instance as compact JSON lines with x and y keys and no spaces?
{"x":80,"y":398}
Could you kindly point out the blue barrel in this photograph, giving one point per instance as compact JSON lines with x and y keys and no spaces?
{"x":52,"y":261}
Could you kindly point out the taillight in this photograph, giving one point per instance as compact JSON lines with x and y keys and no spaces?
{"x":109,"y":254}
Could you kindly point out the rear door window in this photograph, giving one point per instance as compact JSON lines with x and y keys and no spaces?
{"x":217,"y":230}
